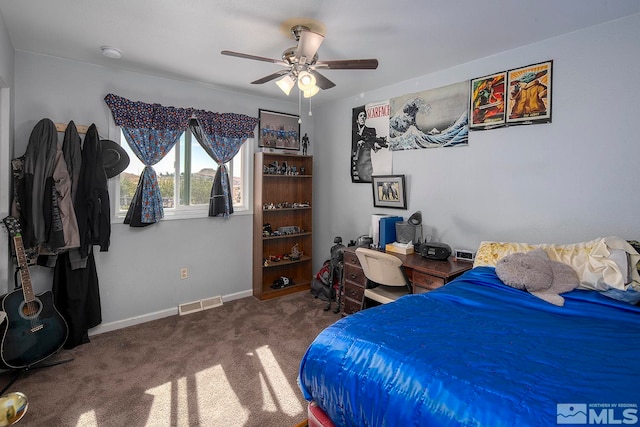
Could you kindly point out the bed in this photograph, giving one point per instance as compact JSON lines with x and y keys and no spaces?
{"x":479,"y":353}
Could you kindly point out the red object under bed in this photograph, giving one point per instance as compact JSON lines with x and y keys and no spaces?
{"x":317,"y":417}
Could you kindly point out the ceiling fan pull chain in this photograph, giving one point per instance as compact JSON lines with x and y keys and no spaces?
{"x":310,"y":113}
{"x":299,"y":106}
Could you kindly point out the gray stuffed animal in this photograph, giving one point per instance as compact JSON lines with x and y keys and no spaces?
{"x":537,"y":274}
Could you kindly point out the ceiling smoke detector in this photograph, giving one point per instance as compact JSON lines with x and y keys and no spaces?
{"x":111,"y":52}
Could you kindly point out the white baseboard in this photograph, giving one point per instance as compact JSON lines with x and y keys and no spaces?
{"x":119,"y":324}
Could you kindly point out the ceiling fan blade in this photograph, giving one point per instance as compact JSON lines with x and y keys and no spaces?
{"x":308,"y":45}
{"x":321,"y":81}
{"x":348,"y":64}
{"x":270,"y":77}
{"x":254,"y":57}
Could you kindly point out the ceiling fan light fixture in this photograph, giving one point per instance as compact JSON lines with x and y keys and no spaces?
{"x":300,"y":61}
{"x":286,"y":84}
{"x":306,"y":80}
{"x":308,"y":93}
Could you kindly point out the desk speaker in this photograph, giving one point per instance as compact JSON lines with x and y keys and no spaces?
{"x":434,"y":250}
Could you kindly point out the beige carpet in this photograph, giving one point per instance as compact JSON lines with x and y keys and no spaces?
{"x":234,"y":365}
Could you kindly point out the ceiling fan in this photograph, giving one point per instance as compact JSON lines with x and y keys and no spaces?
{"x":301,"y":64}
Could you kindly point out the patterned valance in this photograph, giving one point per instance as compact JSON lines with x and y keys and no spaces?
{"x":140,"y":115}
{"x":227,"y":125}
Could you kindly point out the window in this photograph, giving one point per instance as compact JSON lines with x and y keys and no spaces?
{"x":185,"y":176}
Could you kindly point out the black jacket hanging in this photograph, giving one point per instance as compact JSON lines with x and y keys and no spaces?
{"x":92,"y":199}
{"x":75,"y":280}
{"x":38,"y":198}
{"x":76,"y":293}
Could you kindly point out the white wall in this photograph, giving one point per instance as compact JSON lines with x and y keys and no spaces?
{"x":6,"y":54}
{"x":568,"y":181}
{"x":139,"y":275}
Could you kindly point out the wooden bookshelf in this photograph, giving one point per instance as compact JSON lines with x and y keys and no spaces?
{"x":283,"y":199}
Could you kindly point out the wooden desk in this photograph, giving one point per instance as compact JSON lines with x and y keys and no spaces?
{"x":425,"y":275}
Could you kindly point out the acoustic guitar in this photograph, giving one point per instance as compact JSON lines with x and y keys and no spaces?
{"x":33,"y":329}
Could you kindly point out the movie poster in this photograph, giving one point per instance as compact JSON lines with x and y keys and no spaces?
{"x":370,"y":154}
{"x":487,"y":108}
{"x":529,"y":94}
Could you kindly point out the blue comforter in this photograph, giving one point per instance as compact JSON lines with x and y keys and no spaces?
{"x":479,"y":353}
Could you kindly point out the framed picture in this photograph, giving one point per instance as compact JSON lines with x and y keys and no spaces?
{"x":279,"y":130}
{"x":529,"y":94}
{"x":487,"y":107}
{"x":389,"y":191}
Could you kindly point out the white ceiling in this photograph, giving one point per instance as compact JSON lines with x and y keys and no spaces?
{"x":182,"y":39}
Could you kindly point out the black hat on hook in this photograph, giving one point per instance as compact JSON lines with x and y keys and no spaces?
{"x":114,"y":158}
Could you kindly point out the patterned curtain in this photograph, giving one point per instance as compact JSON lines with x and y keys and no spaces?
{"x":221,"y":135}
{"x":151,"y":131}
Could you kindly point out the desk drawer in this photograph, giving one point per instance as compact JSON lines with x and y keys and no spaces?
{"x":355,"y":274}
{"x":426,"y":281}
{"x":353,"y":290}
{"x":351,"y":258}
{"x":351,"y":306}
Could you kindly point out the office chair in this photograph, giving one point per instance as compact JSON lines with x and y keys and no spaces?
{"x":385,"y":272}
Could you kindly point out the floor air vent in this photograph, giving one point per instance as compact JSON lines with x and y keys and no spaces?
{"x":203,"y":304}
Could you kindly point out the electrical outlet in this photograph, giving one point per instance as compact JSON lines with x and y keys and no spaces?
{"x":184,"y":273}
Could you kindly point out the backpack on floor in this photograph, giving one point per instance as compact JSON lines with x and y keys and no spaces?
{"x":320,"y":287}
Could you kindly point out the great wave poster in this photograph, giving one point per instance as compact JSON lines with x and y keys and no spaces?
{"x":430,"y":119}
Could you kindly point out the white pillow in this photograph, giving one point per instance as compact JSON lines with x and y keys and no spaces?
{"x":601,"y":264}
{"x":621,"y":258}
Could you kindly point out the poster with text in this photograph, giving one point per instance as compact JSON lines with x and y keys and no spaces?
{"x":529,"y":96}
{"x":370,"y":154}
{"x":487,"y":106}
